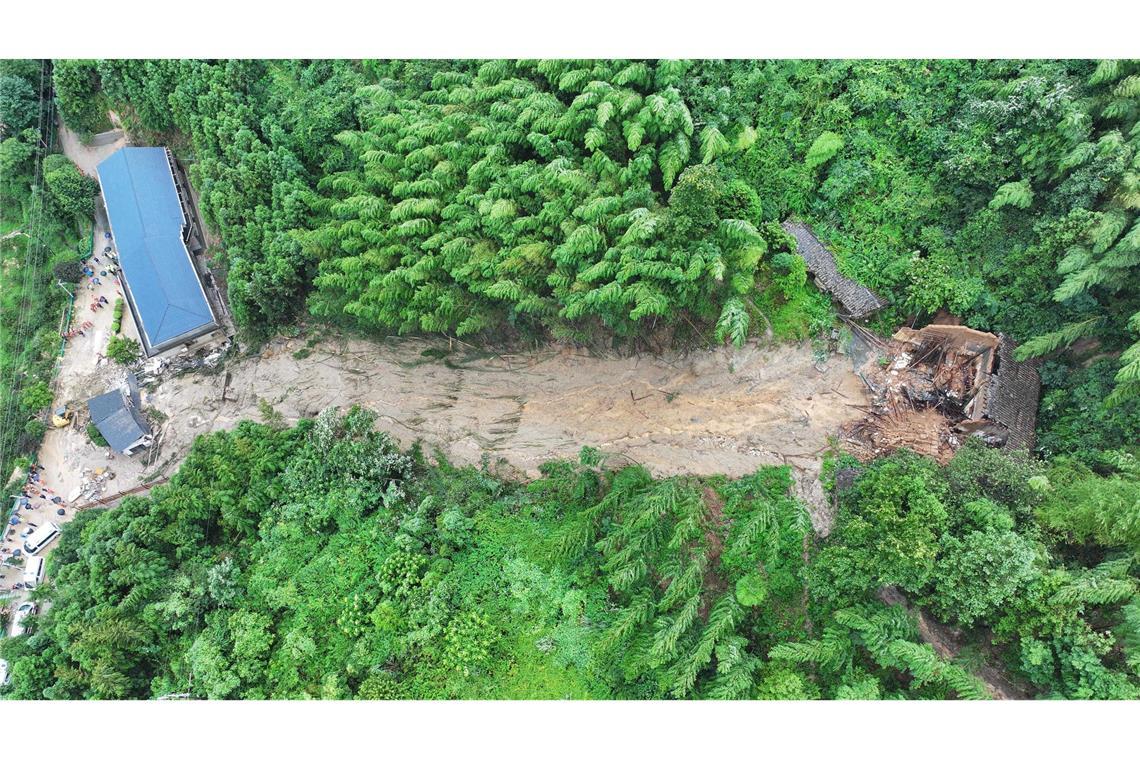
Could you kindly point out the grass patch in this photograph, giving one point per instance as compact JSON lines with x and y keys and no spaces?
{"x":803,"y":312}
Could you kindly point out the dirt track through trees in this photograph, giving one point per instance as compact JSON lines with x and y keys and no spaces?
{"x":705,"y":412}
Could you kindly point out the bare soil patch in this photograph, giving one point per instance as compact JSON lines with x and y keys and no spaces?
{"x":88,"y":156}
{"x":705,"y":412}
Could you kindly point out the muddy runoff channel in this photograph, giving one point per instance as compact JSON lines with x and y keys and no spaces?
{"x":701,"y":412}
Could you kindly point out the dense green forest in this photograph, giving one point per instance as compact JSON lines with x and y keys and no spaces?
{"x":592,"y":198}
{"x":606,"y":202}
{"x":320,"y":561}
{"x":45,"y":224}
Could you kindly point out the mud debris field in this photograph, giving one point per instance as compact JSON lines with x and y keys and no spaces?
{"x":700,"y":413}
{"x":704,"y":412}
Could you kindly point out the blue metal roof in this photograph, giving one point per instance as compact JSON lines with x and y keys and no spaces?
{"x":146,"y":221}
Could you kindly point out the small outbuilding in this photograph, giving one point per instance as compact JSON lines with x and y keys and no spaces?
{"x":119,"y":420}
{"x":857,"y":301}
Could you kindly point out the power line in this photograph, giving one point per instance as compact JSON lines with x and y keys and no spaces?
{"x":35,"y":216}
{"x":33,"y":255}
{"x":19,"y":334}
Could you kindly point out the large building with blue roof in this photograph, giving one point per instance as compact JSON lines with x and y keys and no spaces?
{"x":150,"y":227}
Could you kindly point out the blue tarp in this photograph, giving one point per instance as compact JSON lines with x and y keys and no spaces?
{"x":146,"y":219}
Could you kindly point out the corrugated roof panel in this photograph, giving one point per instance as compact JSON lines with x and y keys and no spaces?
{"x":146,"y":220}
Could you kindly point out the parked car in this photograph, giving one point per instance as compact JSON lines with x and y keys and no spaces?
{"x":22,"y":612}
{"x":33,"y":572}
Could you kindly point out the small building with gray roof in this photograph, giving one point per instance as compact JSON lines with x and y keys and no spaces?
{"x":118,"y":417}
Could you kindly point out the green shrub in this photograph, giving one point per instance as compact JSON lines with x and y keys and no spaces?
{"x":117,"y":317}
{"x":467,"y":643}
{"x":123,"y":350}
{"x":70,"y":188}
{"x":751,"y":590}
{"x":894,"y":524}
{"x":979,"y":572}
{"x":36,"y":397}
{"x":95,"y":436}
{"x":1075,"y":418}
{"x":823,"y":149}
{"x":382,"y":685}
{"x":76,"y":84}
{"x":19,"y":105}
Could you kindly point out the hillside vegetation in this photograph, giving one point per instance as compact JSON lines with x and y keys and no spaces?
{"x":589,"y":198}
{"x":46,"y":206}
{"x":320,"y":561}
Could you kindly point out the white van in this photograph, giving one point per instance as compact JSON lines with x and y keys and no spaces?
{"x":33,"y":572}
{"x":41,"y":537}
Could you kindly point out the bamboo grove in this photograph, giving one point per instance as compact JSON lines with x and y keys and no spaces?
{"x":585,"y":199}
{"x":320,"y":561}
{"x":550,"y":195}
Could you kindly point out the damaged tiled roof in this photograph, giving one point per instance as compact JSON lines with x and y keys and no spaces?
{"x":1012,"y":398}
{"x":118,"y":419}
{"x":857,"y":300}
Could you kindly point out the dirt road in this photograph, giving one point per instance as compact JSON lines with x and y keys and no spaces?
{"x":87,"y":156}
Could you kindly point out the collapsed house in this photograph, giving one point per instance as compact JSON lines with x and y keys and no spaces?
{"x":934,"y":387}
{"x":856,"y":301}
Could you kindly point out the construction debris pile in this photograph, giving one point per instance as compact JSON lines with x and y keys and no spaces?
{"x":156,"y":368}
{"x":93,"y":485}
{"x":934,"y":387}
